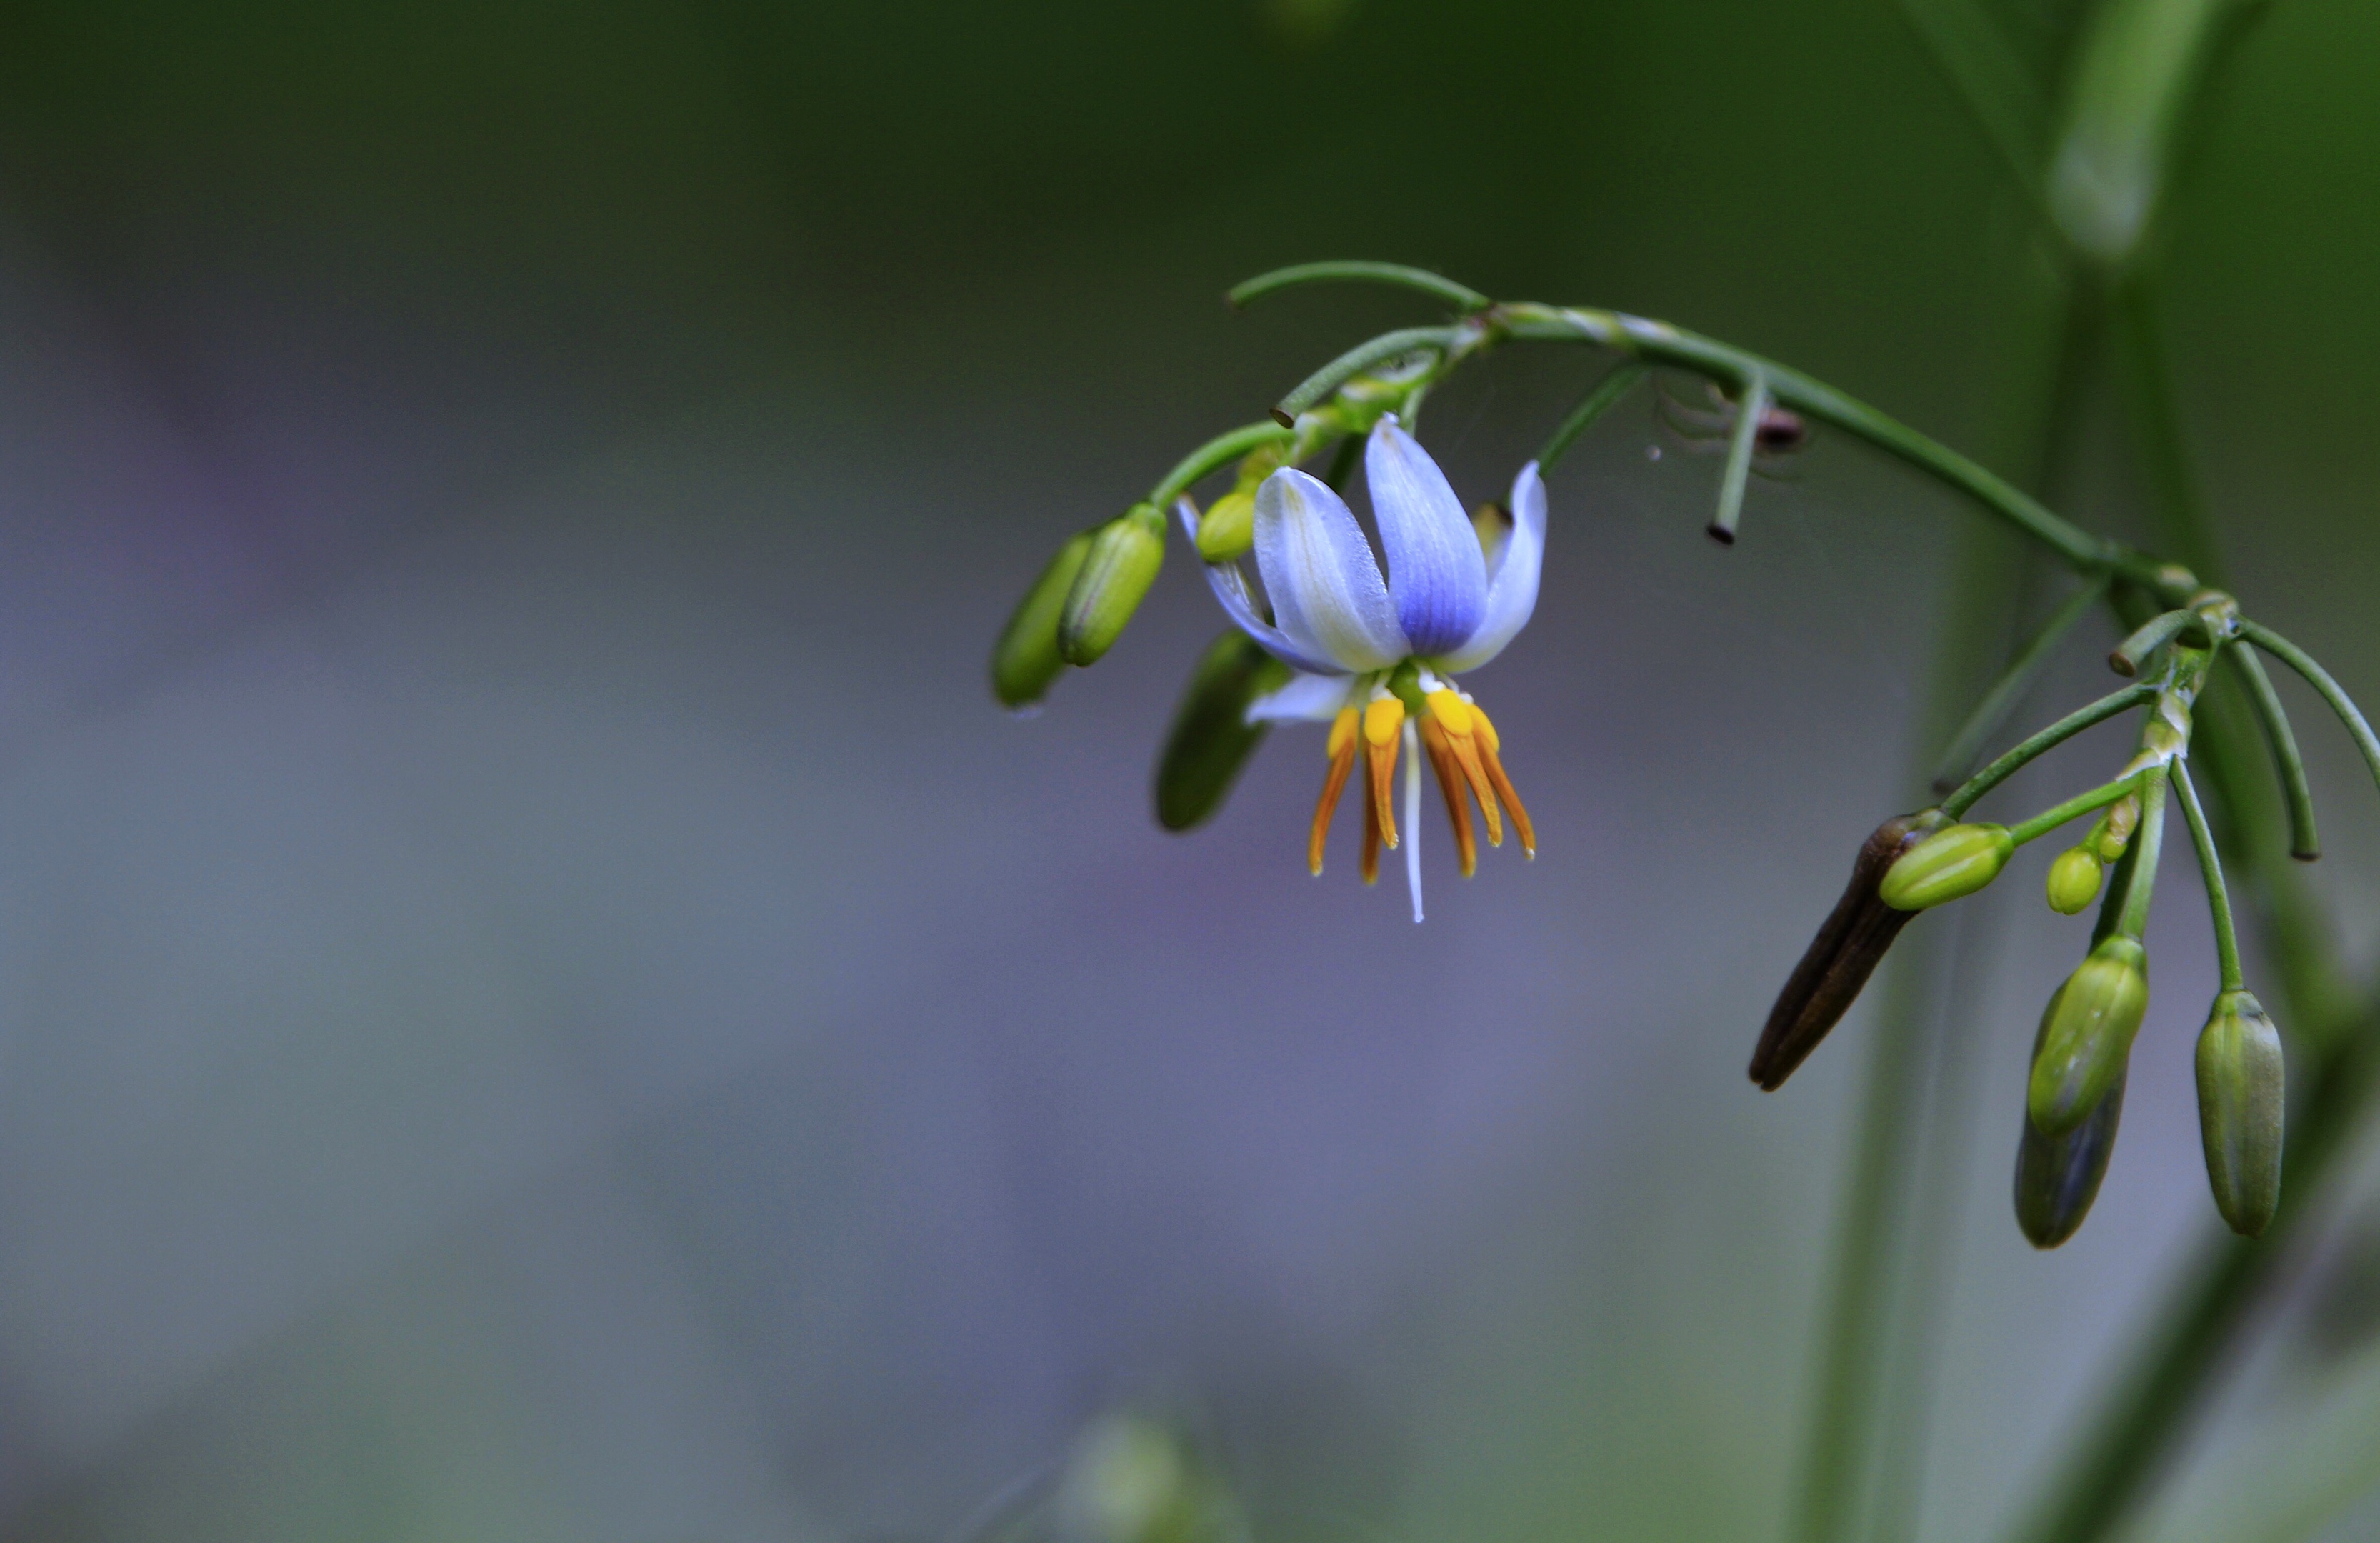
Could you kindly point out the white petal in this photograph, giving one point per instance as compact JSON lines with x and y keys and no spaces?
{"x":1513,"y":592}
{"x":1231,"y":589}
{"x":1328,"y":596}
{"x":1315,"y":698}
{"x":1436,"y":571}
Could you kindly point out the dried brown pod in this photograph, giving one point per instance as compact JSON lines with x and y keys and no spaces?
{"x":1841,"y":957}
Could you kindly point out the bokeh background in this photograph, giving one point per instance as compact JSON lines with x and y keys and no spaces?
{"x":540,"y":998}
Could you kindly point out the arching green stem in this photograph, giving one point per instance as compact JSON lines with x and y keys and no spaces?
{"x":2082,"y":803}
{"x":2319,"y":678}
{"x":2304,"y":845}
{"x":2153,"y":635}
{"x":1663,"y":343}
{"x":2148,"y":842}
{"x":1460,"y":295}
{"x":2048,"y":739}
{"x":1213,"y":455}
{"x":1356,"y":361}
{"x":2210,"y":871}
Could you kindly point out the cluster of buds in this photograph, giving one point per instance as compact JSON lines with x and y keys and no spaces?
{"x":2075,"y":1090}
{"x":1326,"y":630}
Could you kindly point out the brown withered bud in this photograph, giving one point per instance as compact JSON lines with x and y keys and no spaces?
{"x":1841,"y":957}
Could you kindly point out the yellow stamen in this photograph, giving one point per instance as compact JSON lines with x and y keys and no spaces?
{"x":1382,"y":719}
{"x":1451,"y":784}
{"x":1489,"y":743}
{"x":1460,"y":722}
{"x":1342,"y":732}
{"x":1371,"y":861}
{"x":1341,"y":747}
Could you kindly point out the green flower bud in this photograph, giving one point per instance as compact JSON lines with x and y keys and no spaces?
{"x":2058,"y":1177}
{"x":1230,"y":527}
{"x":1211,"y":737}
{"x":1841,"y":957}
{"x":1132,"y":1480}
{"x":1952,"y":863}
{"x":1121,"y":564}
{"x":2088,"y":1035}
{"x":2075,"y":880}
{"x":2114,"y":830}
{"x":1025,"y":659}
{"x":2240,"y":1102}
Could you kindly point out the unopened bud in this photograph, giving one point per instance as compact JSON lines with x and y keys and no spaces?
{"x":1230,"y":527}
{"x":1211,"y":737}
{"x":2240,"y":1108}
{"x":2088,"y":1035}
{"x":1841,"y":957}
{"x":1132,"y":1480}
{"x":2114,"y":832}
{"x":2057,"y":1176}
{"x":1025,"y":660}
{"x":1121,"y":564}
{"x":1952,"y":863}
{"x":2075,"y":880}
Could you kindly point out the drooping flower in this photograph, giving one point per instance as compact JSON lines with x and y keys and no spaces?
{"x":1375,"y":656}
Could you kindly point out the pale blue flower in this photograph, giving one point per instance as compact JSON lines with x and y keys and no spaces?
{"x":1374,"y":654}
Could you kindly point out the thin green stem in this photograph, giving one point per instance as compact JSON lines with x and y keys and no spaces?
{"x":2319,"y":678}
{"x":1460,"y":295}
{"x":1663,"y":343}
{"x":1212,"y":456}
{"x":1607,"y":395}
{"x":2210,"y":872}
{"x":2013,"y":684}
{"x":2048,"y":739}
{"x":2304,"y":845}
{"x":1356,"y":361}
{"x":2160,"y":630}
{"x":1752,"y":401}
{"x":2148,"y":843}
{"x":2081,"y":804}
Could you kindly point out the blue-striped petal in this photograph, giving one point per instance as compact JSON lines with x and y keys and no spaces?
{"x":1328,"y":597}
{"x":1512,"y":587}
{"x":1436,"y":571}
{"x":1231,"y":589}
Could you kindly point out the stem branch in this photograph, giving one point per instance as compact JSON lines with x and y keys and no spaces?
{"x":1212,"y":456}
{"x":2082,"y":803}
{"x":2048,"y":739}
{"x":2319,"y":678}
{"x":1460,"y":295}
{"x":2210,"y":871}
{"x":1752,"y":401}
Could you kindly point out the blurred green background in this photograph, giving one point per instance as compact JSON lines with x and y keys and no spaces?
{"x":539,"y":998}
